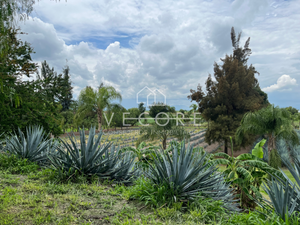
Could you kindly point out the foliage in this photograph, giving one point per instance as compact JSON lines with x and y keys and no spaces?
{"x":182,"y":178}
{"x":235,"y":92}
{"x":97,"y":101}
{"x":57,"y":88}
{"x":15,"y":165}
{"x":92,"y":159}
{"x":285,"y":194}
{"x":34,"y":146}
{"x":258,"y":150}
{"x":31,"y":105}
{"x":163,"y":130}
{"x":158,"y":108}
{"x":246,"y":173}
{"x":273,"y":121}
{"x":134,"y":113}
{"x":143,"y":154}
{"x":275,"y":160}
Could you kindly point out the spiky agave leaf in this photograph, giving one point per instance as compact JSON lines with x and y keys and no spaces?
{"x":186,"y":176}
{"x":284,"y":194}
{"x":87,"y":159}
{"x":33,"y":147}
{"x":92,"y":158}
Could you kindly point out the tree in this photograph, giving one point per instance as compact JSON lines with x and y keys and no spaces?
{"x":97,"y":101}
{"x":235,"y":92}
{"x":194,"y":108}
{"x":272,"y":121}
{"x":66,"y":88}
{"x":142,"y":108}
{"x":157,"y":108}
{"x":134,"y":113}
{"x":163,"y":130}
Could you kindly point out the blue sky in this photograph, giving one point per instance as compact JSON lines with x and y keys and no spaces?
{"x":167,"y":45}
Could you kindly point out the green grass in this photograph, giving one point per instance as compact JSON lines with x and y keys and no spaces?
{"x":31,"y":195}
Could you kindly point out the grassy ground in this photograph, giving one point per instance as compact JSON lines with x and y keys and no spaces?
{"x":30,"y":200}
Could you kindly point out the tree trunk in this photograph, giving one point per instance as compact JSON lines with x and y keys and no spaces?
{"x":225,"y":146}
{"x":271,"y":145}
{"x":164,"y":143}
{"x":99,"y":116}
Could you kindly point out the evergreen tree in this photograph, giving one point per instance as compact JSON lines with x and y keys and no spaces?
{"x":66,"y":90}
{"x":235,"y":92}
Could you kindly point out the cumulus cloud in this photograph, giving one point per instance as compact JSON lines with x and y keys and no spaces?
{"x":173,"y":44}
{"x":284,"y":83}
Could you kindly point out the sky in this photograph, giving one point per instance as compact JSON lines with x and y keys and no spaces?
{"x":160,"y":49}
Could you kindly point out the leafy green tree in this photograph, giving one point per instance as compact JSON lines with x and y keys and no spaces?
{"x":33,"y":107}
{"x":162,"y":130}
{"x":235,"y":92}
{"x":97,"y":101}
{"x":272,"y":121}
{"x":134,"y":113}
{"x":171,"y":109}
{"x":157,"y":108}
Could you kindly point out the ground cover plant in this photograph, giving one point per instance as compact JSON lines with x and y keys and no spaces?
{"x":179,"y":186}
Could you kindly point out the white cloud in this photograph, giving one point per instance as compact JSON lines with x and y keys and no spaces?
{"x":173,"y":44}
{"x":284,"y":83}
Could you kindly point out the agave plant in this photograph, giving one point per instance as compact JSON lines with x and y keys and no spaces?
{"x":186,"y":175}
{"x":285,"y":194}
{"x":34,"y":146}
{"x":92,"y":159}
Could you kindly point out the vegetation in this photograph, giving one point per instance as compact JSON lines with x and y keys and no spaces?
{"x":50,"y":180}
{"x":246,"y":173}
{"x":235,"y":92}
{"x":271,"y":121}
{"x":91,"y":159}
{"x":163,"y":130}
{"x":97,"y":101}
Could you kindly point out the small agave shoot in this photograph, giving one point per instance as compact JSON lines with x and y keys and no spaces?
{"x":187,"y":175}
{"x":93,"y":159}
{"x":35,"y":146}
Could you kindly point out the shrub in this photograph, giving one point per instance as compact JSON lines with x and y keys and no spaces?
{"x":246,"y":173}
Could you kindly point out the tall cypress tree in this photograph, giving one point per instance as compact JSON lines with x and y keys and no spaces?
{"x":235,"y":92}
{"x":66,"y":90}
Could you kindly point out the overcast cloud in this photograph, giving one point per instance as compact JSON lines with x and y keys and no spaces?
{"x":167,"y":45}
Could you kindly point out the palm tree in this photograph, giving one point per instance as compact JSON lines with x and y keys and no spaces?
{"x":273,"y":121}
{"x":161,"y":130}
{"x":97,"y":101}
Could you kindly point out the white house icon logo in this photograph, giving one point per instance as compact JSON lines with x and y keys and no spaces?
{"x":152,"y":93}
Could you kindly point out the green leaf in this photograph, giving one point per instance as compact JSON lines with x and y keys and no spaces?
{"x":258,"y":150}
